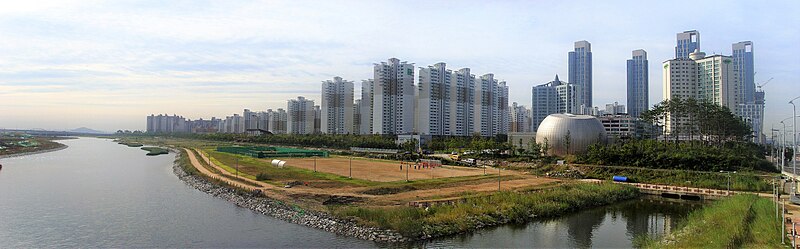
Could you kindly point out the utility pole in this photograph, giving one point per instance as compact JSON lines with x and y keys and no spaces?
{"x":351,"y":167}
{"x":315,"y":164}
{"x":498,"y":178}
{"x":407,"y":166}
{"x":237,"y":167}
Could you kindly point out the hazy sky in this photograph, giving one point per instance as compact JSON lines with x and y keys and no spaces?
{"x":108,"y":64}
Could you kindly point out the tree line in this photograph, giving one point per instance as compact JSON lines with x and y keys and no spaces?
{"x":696,"y":120}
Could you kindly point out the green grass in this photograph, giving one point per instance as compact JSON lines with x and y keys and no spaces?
{"x":741,"y":181}
{"x":251,"y":167}
{"x":155,"y":151}
{"x":735,"y":222}
{"x":499,"y":208}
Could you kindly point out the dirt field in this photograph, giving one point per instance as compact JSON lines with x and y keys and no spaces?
{"x":379,"y":171}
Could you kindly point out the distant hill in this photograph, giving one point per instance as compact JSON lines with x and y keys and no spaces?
{"x":87,"y":130}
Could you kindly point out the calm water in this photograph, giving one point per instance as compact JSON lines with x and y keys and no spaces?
{"x":99,"y":194}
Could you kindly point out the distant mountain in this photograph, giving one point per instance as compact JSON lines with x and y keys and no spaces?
{"x":87,"y":130}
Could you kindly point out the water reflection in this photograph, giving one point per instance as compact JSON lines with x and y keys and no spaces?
{"x":613,"y":226}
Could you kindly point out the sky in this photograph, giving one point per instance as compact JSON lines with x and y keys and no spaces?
{"x":108,"y":64}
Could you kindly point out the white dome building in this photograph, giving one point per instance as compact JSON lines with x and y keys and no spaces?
{"x":583,"y":130}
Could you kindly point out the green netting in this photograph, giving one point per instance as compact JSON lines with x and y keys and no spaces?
{"x":266,"y":152}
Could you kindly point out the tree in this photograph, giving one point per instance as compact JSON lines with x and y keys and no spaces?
{"x":568,"y":141}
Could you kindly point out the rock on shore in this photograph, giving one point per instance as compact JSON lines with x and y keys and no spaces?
{"x":290,"y":213}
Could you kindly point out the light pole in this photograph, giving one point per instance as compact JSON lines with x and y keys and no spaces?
{"x":794,"y":137}
{"x":237,"y":167}
{"x":315,"y":164}
{"x":351,"y":167}
{"x":783,"y":146}
{"x":729,"y":179}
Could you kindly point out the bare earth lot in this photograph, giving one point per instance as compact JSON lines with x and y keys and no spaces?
{"x":379,"y":171}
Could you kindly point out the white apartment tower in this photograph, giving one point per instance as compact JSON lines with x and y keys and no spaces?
{"x":277,"y":121}
{"x":365,"y":109}
{"x":491,"y":106}
{"x":300,"y":116}
{"x":393,"y":98}
{"x":704,"y":78}
{"x":337,"y":106}
{"x":434,"y":100}
{"x":462,"y":99}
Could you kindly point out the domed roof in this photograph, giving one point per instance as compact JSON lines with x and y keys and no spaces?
{"x":567,"y":133}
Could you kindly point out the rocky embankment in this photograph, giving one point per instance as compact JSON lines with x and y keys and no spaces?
{"x":286,"y":212}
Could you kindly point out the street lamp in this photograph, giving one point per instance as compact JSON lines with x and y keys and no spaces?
{"x":729,"y":179}
{"x":794,"y":135}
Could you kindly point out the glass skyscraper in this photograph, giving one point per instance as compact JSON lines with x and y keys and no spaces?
{"x":580,"y":73}
{"x":743,"y":63}
{"x":638,"y":91}
{"x":688,"y":41}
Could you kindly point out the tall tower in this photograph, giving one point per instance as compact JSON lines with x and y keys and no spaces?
{"x":300,"y":116}
{"x":743,"y":63}
{"x":367,"y":100}
{"x":553,"y":97}
{"x":688,"y":42}
{"x":434,"y":100}
{"x":580,"y":73}
{"x":337,"y":106}
{"x":394,"y":98}
{"x":638,"y":83}
{"x":462,"y":109}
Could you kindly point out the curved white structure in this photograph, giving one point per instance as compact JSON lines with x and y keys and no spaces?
{"x":583,"y":130}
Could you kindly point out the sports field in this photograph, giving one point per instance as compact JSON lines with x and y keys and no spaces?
{"x":379,"y":170}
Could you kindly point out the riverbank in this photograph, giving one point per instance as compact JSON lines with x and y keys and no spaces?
{"x":60,"y":147}
{"x":741,"y":221}
{"x":281,"y":210}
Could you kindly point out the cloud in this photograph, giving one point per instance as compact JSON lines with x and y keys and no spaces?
{"x":213,"y":58}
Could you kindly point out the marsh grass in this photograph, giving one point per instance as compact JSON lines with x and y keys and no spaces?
{"x":741,"y":221}
{"x":499,"y":208}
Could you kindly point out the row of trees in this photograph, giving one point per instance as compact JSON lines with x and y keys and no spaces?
{"x":686,"y":156}
{"x":472,"y":143}
{"x":690,"y":118}
{"x":309,"y":140}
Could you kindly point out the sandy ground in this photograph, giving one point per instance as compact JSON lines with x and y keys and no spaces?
{"x":379,"y":171}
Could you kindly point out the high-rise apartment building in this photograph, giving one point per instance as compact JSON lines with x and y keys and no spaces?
{"x":356,"y":117}
{"x":434,"y":100}
{"x":491,"y":106}
{"x":520,"y":120}
{"x":462,"y":107}
{"x":277,"y":121}
{"x":166,"y":124}
{"x":232,"y":124}
{"x":300,"y":116}
{"x":393,"y":98}
{"x":317,"y":120}
{"x":553,"y":97}
{"x":580,"y":73}
{"x":743,"y":64}
{"x":615,"y":109}
{"x":638,"y":90}
{"x":704,"y":78}
{"x":367,"y":100}
{"x":687,"y":43}
{"x":337,"y":106}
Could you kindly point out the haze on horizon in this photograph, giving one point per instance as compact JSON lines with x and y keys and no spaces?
{"x":106,"y":65}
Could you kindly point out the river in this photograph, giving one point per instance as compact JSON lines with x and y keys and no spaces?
{"x":99,"y":194}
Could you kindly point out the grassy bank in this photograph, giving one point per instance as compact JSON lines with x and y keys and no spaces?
{"x":155,"y":151}
{"x":499,"y":208}
{"x":741,"y":181}
{"x":742,"y":221}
